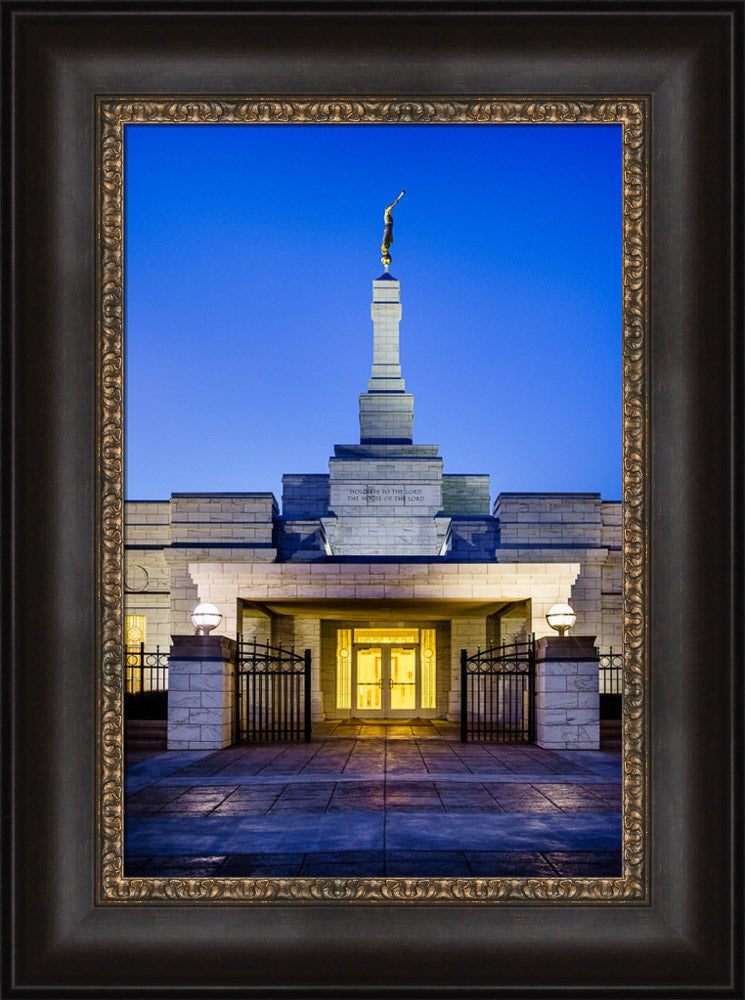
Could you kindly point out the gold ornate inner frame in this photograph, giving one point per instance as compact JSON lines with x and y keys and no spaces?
{"x":112,"y":114}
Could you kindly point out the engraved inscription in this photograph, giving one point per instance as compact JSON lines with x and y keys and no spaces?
{"x":395,"y":495}
{"x":349,"y":495}
{"x":417,"y":494}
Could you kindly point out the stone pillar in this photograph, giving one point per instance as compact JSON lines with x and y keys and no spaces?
{"x":308,"y":636}
{"x":385,"y":313}
{"x":254,"y":626}
{"x":567,"y":699}
{"x":201,"y":692}
{"x":386,"y":409}
{"x":468,"y":634}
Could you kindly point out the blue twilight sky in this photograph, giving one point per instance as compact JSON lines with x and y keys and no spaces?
{"x":249,"y":256}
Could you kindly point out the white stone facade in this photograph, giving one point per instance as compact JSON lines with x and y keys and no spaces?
{"x":384,"y":538}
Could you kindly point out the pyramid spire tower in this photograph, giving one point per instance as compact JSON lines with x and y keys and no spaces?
{"x":386,"y":409}
{"x":385,"y":493}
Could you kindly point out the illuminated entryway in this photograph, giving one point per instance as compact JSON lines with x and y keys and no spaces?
{"x":386,"y":672}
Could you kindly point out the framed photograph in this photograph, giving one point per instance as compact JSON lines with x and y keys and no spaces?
{"x":214,"y":919}
{"x":390,"y":566}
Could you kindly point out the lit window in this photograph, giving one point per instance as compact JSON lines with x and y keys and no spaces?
{"x":344,"y":668}
{"x":134,"y":630}
{"x":429,"y":669}
{"x":386,"y":636}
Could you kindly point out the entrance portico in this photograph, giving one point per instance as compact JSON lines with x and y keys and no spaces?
{"x":320,"y":606}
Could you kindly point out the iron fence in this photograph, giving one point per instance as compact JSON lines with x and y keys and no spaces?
{"x":498,"y":694}
{"x":272,"y":692}
{"x":610,"y":683}
{"x":145,"y":683}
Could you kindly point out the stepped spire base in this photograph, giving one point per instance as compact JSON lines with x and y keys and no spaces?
{"x":386,"y":409}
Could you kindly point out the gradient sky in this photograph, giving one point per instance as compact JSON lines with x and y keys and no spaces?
{"x":249,"y":256}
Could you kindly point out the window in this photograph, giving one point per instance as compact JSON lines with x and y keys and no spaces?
{"x":134,"y":630}
{"x":344,"y":668}
{"x":387,"y":636}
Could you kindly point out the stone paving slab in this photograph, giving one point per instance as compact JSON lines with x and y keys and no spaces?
{"x":409,"y":829}
{"x":266,"y":834}
{"x":371,"y":864}
{"x":514,"y":832}
{"x":382,"y":806}
{"x":144,"y":772}
{"x":480,"y":778}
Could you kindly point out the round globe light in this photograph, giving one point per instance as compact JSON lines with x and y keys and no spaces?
{"x":205,"y":617}
{"x":561,"y":617}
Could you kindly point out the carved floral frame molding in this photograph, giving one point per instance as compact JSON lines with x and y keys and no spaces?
{"x":112,"y":114}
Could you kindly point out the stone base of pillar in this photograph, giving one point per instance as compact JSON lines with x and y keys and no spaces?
{"x":201,"y":692}
{"x":567,"y":699}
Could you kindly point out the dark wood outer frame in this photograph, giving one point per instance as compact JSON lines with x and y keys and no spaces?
{"x":57,"y":941}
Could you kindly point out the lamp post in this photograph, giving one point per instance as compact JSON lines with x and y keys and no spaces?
{"x":205,"y":618}
{"x":561,"y":617}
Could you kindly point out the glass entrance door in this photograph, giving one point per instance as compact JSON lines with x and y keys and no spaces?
{"x":402,"y":679}
{"x":386,"y":672}
{"x":369,"y":686}
{"x":386,"y":682}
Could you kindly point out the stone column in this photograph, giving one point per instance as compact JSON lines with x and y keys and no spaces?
{"x":308,"y":636}
{"x":468,"y":634}
{"x":254,"y":626}
{"x":201,"y":692}
{"x":567,"y":699}
{"x":385,"y":313}
{"x":386,"y":409}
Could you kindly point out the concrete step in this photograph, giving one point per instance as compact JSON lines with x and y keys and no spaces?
{"x":146,"y":734}
{"x":610,"y":734}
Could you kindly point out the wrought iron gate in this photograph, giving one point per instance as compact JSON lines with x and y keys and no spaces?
{"x":272,"y":692}
{"x":610,"y":683}
{"x":497,"y":693}
{"x":145,"y":683}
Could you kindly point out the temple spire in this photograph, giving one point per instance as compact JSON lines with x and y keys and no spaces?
{"x":386,"y":409}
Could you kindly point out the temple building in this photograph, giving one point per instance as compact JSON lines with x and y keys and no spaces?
{"x":385,"y":566}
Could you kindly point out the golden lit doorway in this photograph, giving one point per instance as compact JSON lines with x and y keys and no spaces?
{"x":392,"y":672}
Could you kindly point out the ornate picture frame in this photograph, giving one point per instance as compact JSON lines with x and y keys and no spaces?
{"x":113,"y":115}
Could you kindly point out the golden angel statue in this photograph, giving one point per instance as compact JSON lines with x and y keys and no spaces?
{"x":388,"y":234}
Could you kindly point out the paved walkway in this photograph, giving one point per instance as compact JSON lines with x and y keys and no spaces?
{"x":407,"y":800}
